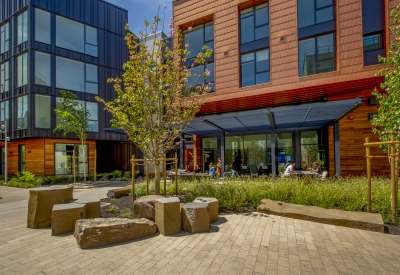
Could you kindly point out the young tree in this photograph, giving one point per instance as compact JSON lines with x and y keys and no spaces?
{"x":387,"y":122}
{"x":157,"y":95}
{"x":74,"y":119}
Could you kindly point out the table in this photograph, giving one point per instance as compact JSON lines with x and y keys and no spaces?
{"x":306,"y":173}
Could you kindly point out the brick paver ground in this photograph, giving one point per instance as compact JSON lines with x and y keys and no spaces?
{"x":237,"y":244}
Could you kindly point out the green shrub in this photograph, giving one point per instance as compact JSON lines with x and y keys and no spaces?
{"x":104,"y":176}
{"x":114,"y":200}
{"x":90,"y":177}
{"x":117,"y":174}
{"x":126,"y":176}
{"x":79,"y":178}
{"x":127,"y":214}
{"x":25,"y":179}
{"x":113,"y":209}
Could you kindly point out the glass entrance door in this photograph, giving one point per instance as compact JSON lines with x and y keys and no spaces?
{"x":210,"y":153}
{"x":283,"y":150}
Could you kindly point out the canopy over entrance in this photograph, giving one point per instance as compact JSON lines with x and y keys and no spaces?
{"x":318,"y":114}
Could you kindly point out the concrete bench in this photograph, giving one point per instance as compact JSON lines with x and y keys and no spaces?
{"x":212,"y":207}
{"x":143,"y":207}
{"x":92,"y":206}
{"x":41,"y":201}
{"x":65,"y":216}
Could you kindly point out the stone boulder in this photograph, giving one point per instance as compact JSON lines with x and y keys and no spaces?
{"x":103,"y":231}
{"x":144,"y":207}
{"x":41,"y":201}
{"x":212,"y":207}
{"x":65,"y":216}
{"x":195,"y":217}
{"x":168,"y":216}
{"x":92,"y":206}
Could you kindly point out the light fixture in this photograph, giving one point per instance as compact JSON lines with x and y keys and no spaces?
{"x":350,"y":117}
{"x":372,"y":101}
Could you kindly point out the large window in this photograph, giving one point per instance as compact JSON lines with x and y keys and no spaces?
{"x":4,"y":77}
{"x":255,"y":67}
{"x":22,"y":112}
{"x":42,"y":69}
{"x":195,"y":39}
{"x":311,"y":12}
{"x":42,"y":111}
{"x":76,"y":76}
{"x":317,"y":55}
{"x":92,"y":108}
{"x":254,"y":23}
{"x":42,"y":26}
{"x":5,"y":115}
{"x":4,"y":38}
{"x":63,"y":158}
{"x":312,"y":149}
{"x":75,"y":36}
{"x":22,"y":27}
{"x":22,"y":70}
{"x":254,"y":48}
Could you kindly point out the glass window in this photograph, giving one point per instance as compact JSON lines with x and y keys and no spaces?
{"x":42,"y":69}
{"x":311,"y":12}
{"x":21,"y":158}
{"x":284,"y":150}
{"x":254,"y":23}
{"x":75,"y":36}
{"x":63,"y":158}
{"x":255,"y":68}
{"x":312,"y":149}
{"x":22,"y":31}
{"x":4,"y":38}
{"x":70,"y":74}
{"x":42,"y":26}
{"x":22,"y":70}
{"x":91,"y":107}
{"x":4,"y":77}
{"x":195,"y":39}
{"x":70,"y":34}
{"x":22,"y":112}
{"x":5,"y":115}
{"x":317,"y":55}
{"x":372,"y":42}
{"x":91,"y":79}
{"x":42,"y":111}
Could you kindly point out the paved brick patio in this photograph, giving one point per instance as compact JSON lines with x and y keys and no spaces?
{"x":237,"y":244}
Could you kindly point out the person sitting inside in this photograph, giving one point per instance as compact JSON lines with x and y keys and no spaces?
{"x":289,"y":163}
{"x":316,"y":168}
{"x":212,"y":170}
{"x":289,"y":170}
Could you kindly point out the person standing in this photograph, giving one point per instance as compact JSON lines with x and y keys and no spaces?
{"x":211,"y":170}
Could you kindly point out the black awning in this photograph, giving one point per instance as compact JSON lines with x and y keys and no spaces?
{"x":114,"y":131}
{"x":318,"y":114}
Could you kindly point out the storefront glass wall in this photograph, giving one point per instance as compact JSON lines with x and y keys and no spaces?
{"x":210,"y":153}
{"x":283,"y":150}
{"x":313,"y":149}
{"x":63,"y":159}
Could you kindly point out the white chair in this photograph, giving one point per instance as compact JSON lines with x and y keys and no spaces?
{"x":324,"y":175}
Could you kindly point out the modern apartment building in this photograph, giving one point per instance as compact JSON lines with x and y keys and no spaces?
{"x":292,"y":82}
{"x":48,"y":46}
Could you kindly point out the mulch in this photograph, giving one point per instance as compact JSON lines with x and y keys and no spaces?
{"x":126,"y":203}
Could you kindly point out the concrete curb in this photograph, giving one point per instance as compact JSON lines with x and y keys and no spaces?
{"x":359,"y":220}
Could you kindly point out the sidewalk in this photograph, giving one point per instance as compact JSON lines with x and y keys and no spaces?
{"x":252,"y":243}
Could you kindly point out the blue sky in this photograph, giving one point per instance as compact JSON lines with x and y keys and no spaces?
{"x":140,"y":10}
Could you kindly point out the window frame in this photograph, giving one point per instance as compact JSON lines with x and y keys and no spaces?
{"x":50,"y":66}
{"x":254,"y":22}
{"x":24,"y":78}
{"x":255,"y":66}
{"x":5,"y":45}
{"x":18,"y":122}
{"x":316,"y":53}
{"x":25,"y":27}
{"x":36,"y":108}
{"x":333,"y":5}
{"x":50,"y":26}
{"x":4,"y":76}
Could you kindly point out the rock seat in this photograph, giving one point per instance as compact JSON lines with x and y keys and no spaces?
{"x":168,"y":215}
{"x":103,"y":231}
{"x":64,"y":217}
{"x":144,"y":207}
{"x":212,"y":207}
{"x":195,"y":217}
{"x":92,"y":206}
{"x":41,"y":201}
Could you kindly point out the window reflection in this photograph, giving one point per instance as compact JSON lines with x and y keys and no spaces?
{"x":311,"y":12}
{"x":42,"y":111}
{"x":4,"y":38}
{"x":254,"y":23}
{"x":63,"y":158}
{"x":22,"y":112}
{"x":91,"y":107}
{"x":312,"y":149}
{"x":70,"y":74}
{"x":22,"y":27}
{"x":42,"y":69}
{"x":4,"y":77}
{"x":22,"y":69}
{"x":255,"y":68}
{"x":42,"y":26}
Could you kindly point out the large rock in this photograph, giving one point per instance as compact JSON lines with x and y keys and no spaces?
{"x":212,"y":207}
{"x":195,"y":217}
{"x":143,"y":207}
{"x":92,"y":206}
{"x":168,"y":215}
{"x":119,"y":192}
{"x":65,"y":216}
{"x":103,"y":231}
{"x":41,"y":201}
{"x":360,"y":220}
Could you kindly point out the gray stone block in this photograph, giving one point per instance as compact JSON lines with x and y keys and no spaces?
{"x":168,"y":215}
{"x":212,"y":207}
{"x":195,"y":217}
{"x":64,"y":217}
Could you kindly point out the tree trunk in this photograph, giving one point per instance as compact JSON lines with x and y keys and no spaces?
{"x":84,"y":162}
{"x":157,"y":177}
